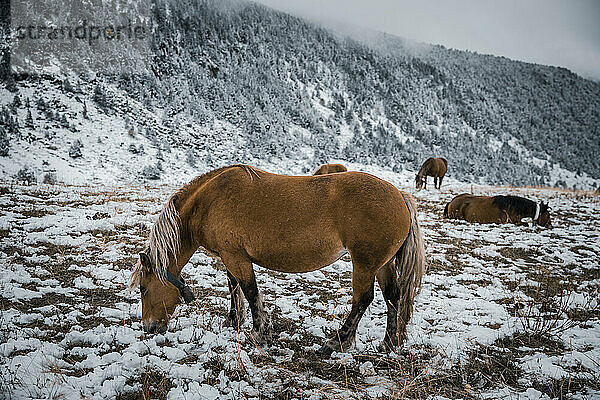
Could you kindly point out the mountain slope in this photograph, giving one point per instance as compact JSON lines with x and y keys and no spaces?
{"x":295,"y":91}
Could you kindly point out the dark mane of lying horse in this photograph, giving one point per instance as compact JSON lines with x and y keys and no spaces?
{"x":516,"y":204}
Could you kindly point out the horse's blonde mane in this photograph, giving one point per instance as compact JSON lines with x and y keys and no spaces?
{"x":164,"y":240}
{"x":162,"y":243}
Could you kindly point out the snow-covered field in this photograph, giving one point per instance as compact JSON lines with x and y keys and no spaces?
{"x":504,"y":312}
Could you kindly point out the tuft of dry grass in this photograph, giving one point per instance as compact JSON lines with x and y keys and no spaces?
{"x":151,"y":384}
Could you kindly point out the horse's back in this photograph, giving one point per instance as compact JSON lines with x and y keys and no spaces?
{"x":330,"y":169}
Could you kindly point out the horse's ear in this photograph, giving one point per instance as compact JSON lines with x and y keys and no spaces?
{"x":145,"y":261}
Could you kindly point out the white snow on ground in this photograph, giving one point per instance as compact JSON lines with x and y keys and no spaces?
{"x":69,"y":327}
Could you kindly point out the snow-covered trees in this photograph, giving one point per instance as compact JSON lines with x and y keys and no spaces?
{"x":26,"y":175}
{"x":75,"y":149}
{"x":152,"y":172}
{"x":289,"y":85}
{"x":4,"y":142}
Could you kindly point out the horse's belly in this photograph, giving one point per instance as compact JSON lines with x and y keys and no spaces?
{"x":306,"y":259}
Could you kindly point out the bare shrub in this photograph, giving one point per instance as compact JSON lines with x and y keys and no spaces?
{"x":551,"y":309}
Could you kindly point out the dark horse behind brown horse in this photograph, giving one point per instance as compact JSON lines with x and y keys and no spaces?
{"x":289,"y":224}
{"x":330,"y":169}
{"x":436,"y":167}
{"x":497,"y":209}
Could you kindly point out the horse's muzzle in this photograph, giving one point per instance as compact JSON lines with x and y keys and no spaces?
{"x":154,"y":327}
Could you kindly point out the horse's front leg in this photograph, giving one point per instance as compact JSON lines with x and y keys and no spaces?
{"x":241,"y":269}
{"x":363,"y":283}
{"x":237,"y":312}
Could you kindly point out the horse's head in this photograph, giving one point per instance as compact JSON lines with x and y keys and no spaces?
{"x":419,"y":181}
{"x":159,"y":298}
{"x":544,"y":218}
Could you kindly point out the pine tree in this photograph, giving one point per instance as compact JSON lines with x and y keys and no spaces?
{"x":29,"y":120}
{"x":16,"y":103}
{"x":100,"y":99}
{"x":190,"y":158}
{"x":26,"y":175}
{"x":152,"y":172}
{"x":66,"y":85}
{"x":75,"y":149}
{"x":4,"y":142}
{"x":41,"y":104}
{"x":63,"y":121}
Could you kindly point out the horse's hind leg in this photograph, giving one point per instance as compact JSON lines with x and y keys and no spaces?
{"x":241,"y":269}
{"x":388,"y":282}
{"x":435,"y":182}
{"x":362,"y":294}
{"x":237,"y":312}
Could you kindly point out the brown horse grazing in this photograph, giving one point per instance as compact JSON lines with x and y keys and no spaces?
{"x":497,"y":209}
{"x":330,"y":169}
{"x":289,"y":224}
{"x":436,"y":167}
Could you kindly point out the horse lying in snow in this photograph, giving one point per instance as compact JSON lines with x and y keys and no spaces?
{"x":497,"y":209}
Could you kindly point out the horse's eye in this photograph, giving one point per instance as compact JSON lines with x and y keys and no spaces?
{"x":143,"y":291}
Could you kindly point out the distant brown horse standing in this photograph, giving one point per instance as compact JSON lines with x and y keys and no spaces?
{"x":436,"y":167}
{"x":497,"y":209}
{"x":288,"y":224}
{"x":330,"y":169}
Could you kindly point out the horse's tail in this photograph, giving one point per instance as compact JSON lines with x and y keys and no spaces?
{"x":410,"y":267}
{"x":446,"y":210}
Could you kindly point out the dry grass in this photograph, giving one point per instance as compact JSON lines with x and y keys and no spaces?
{"x":151,"y":384}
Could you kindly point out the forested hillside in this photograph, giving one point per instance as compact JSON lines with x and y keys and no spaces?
{"x":295,"y":89}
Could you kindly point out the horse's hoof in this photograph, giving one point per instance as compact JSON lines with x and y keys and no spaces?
{"x":233,"y":322}
{"x":256,"y":337}
{"x":325,"y":351}
{"x":260,"y":337}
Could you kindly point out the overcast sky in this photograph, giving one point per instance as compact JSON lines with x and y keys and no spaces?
{"x":564,"y":33}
